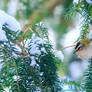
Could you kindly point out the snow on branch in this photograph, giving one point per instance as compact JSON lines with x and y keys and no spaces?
{"x":36,"y":42}
{"x":36,"y":48}
{"x":76,"y":1}
{"x":10,"y":22}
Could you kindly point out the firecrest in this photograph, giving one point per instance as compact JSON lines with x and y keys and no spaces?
{"x":83,"y":48}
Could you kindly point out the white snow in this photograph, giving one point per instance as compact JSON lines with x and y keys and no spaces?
{"x":10,"y":22}
{"x":52,"y":37}
{"x":76,"y":1}
{"x":17,"y":49}
{"x":43,"y":50}
{"x":15,"y":77}
{"x":6,"y":89}
{"x":41,"y":73}
{"x":66,"y":87}
{"x":89,"y":2}
{"x":2,"y":35}
{"x":35,"y":50}
{"x":60,"y":55}
{"x":12,"y":7}
{"x":75,"y":66}
{"x":26,"y":42}
{"x":33,"y":62}
{"x":72,"y":35}
{"x":38,"y":89}
{"x":36,"y":41}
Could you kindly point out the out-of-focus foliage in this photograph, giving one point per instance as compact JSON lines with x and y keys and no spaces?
{"x":30,"y":12}
{"x":34,"y":69}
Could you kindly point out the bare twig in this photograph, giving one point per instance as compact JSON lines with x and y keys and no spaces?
{"x":65,"y":48}
{"x":21,"y":43}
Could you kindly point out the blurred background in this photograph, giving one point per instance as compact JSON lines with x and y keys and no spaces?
{"x":62,"y":31}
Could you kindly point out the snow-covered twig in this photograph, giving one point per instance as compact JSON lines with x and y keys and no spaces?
{"x":10,"y":22}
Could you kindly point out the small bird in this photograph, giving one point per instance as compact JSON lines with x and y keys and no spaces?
{"x":83,"y":48}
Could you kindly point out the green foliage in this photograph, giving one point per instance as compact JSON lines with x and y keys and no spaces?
{"x":88,"y":78}
{"x":19,"y":72}
{"x":85,"y":10}
{"x":73,"y":85}
{"x":84,"y":31}
{"x":31,"y":12}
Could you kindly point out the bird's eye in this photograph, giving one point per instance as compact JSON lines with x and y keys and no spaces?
{"x":78,"y":46}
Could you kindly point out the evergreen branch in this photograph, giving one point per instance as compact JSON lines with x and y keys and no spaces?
{"x":84,"y":31}
{"x":12,"y":58}
{"x":87,"y":82}
{"x":16,"y":74}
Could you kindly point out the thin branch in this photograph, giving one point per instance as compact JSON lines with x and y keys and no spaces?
{"x":24,"y":53}
{"x":65,"y":48}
